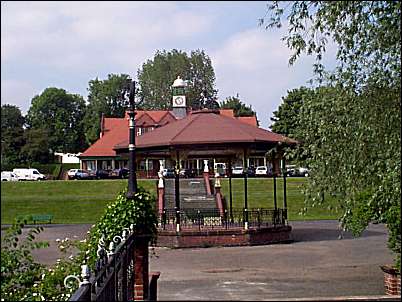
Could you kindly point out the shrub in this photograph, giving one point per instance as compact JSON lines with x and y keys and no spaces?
{"x":24,"y":280}
{"x":19,"y":272}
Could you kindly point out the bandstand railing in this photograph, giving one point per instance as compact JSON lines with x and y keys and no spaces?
{"x":203,"y":219}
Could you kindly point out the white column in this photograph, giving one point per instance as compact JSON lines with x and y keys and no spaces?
{"x":206,"y":165}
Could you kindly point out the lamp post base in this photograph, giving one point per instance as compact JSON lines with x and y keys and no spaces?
{"x":130,"y":195}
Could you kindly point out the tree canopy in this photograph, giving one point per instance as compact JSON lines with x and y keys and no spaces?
{"x":104,"y":97}
{"x":61,"y":114}
{"x":12,"y":131}
{"x":286,"y":118}
{"x":158,"y":74}
{"x":351,"y":128}
{"x":239,"y":108}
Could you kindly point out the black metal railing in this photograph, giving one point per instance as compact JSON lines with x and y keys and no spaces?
{"x":203,"y":219}
{"x":113,"y":278}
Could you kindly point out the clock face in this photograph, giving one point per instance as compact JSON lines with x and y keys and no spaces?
{"x":179,"y":101}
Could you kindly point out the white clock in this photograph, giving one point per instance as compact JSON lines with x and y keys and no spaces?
{"x":179,"y":101}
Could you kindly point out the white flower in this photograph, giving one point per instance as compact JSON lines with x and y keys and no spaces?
{"x":35,"y":285}
{"x":43,"y":276}
{"x":57,"y":240}
{"x":83,"y":241}
{"x":67,"y":239}
{"x":61,"y":247}
{"x":34,"y":294}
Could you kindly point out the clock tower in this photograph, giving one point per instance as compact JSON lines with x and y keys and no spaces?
{"x":179,"y":98}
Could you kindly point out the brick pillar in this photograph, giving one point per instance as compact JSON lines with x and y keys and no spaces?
{"x":141,"y":268}
{"x":161,"y":192}
{"x":207,"y":183}
{"x":392,"y":281}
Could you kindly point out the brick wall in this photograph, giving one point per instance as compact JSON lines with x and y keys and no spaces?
{"x":141,"y":269}
{"x":392,"y":281}
{"x":230,"y":237}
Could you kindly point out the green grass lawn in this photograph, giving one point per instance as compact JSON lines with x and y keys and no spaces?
{"x":83,"y":201}
{"x":260,"y":194}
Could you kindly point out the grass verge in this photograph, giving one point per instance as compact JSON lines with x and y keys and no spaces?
{"x":83,"y":201}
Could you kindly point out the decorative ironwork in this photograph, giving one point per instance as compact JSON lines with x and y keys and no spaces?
{"x":113,"y":278}
{"x":204,"y":219}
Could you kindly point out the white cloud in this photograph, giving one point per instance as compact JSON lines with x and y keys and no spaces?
{"x":18,"y":93}
{"x":69,"y":43}
{"x":254,"y":63}
{"x":82,"y":35}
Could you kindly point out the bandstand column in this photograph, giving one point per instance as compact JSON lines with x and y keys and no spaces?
{"x":285,"y":206}
{"x":245,"y":192}
{"x":230,"y":190}
{"x":177,"y":191}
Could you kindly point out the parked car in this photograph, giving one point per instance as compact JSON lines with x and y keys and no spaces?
{"x":119,"y":173}
{"x":250,"y":171}
{"x":262,"y":171}
{"x":77,"y":174}
{"x":220,"y":168}
{"x":237,"y":171}
{"x":102,"y":174}
{"x":8,"y":176}
{"x":292,"y":170}
{"x":29,"y":174}
{"x":168,"y":173}
{"x":187,"y":173}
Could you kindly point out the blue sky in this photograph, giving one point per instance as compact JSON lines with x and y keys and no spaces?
{"x":67,"y":44}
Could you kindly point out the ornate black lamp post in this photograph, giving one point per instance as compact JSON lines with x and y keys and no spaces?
{"x":132,"y":179}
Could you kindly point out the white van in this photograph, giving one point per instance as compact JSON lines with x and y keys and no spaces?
{"x":29,"y":174}
{"x":8,"y":176}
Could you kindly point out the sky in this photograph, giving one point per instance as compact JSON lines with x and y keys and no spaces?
{"x":67,"y":44}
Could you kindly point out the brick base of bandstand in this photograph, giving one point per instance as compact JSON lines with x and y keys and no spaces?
{"x":187,"y":238}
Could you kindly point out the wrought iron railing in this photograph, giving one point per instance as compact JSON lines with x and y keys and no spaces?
{"x":113,"y":278}
{"x":203,"y":219}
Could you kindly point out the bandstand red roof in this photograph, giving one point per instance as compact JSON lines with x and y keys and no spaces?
{"x":205,"y":127}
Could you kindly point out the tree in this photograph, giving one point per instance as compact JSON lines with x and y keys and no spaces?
{"x":12,"y":131}
{"x":157,"y":75}
{"x":37,"y":146}
{"x":104,"y":97}
{"x":352,"y":128}
{"x":285,"y":119}
{"x":239,"y":108}
{"x":61,"y":115}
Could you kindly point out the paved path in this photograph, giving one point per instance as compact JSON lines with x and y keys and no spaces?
{"x":316,"y":264}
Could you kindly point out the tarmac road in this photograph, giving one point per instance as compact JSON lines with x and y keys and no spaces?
{"x":316,"y":264}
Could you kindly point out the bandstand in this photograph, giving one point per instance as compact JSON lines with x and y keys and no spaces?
{"x":194,"y":212}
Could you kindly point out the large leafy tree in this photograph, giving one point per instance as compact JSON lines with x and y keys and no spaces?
{"x":12,"y":131}
{"x":104,"y":97}
{"x":352,"y":127}
{"x":61,"y":115}
{"x":239,"y":108}
{"x":37,"y":146}
{"x":286,"y":118}
{"x":157,"y":75}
